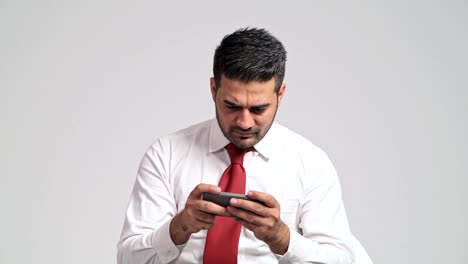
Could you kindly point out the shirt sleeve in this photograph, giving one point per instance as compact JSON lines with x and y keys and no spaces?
{"x":323,"y":234}
{"x":145,"y":236}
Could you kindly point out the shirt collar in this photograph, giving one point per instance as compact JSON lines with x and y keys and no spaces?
{"x":269,"y":143}
{"x":265,"y":147}
{"x":217,"y":140}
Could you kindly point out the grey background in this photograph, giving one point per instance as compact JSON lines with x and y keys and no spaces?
{"x":87,"y":86}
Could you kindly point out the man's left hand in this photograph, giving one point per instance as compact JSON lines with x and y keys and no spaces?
{"x":263,"y":220}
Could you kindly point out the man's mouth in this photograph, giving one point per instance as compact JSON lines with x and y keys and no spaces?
{"x":244,"y":134}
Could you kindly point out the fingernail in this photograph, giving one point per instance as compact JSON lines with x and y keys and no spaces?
{"x":249,"y":193}
{"x":233,"y":201}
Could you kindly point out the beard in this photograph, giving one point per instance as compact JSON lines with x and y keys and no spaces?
{"x":243,"y":138}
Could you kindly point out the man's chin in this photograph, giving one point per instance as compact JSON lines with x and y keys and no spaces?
{"x":243,"y":143}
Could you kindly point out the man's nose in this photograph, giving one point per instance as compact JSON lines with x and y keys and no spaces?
{"x":245,"y":119}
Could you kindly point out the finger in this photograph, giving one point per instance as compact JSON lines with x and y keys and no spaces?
{"x":205,"y":218}
{"x":209,"y":207}
{"x":208,"y":226}
{"x":251,"y":206}
{"x":204,"y":225}
{"x":268,"y":199}
{"x":249,"y":226}
{"x":203,"y":187}
{"x":247,"y":216}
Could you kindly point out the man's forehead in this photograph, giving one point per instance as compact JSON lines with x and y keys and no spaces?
{"x":252,"y":88}
{"x":248,"y":100}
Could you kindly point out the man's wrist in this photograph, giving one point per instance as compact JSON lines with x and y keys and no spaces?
{"x":177,"y":231}
{"x":280,"y":247}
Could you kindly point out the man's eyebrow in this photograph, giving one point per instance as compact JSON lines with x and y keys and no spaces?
{"x":231,"y":103}
{"x":260,"y":106}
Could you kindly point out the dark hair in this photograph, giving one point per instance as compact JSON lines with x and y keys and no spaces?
{"x":250,"y":54}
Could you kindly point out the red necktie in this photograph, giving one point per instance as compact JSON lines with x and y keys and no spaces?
{"x":222,"y":241}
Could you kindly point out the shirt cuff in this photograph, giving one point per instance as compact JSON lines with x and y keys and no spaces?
{"x":166,"y":250}
{"x":296,"y":251}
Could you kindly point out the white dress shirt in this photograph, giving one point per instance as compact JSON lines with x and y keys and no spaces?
{"x":284,"y":164}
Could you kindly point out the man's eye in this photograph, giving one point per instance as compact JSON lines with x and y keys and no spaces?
{"x":232,"y":107}
{"x":257,"y":110}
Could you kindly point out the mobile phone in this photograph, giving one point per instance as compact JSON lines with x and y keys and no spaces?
{"x":223,"y":198}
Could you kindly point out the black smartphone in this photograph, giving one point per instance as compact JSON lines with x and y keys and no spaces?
{"x":223,"y":198}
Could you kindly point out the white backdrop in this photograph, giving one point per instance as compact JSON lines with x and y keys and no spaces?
{"x":87,"y":86}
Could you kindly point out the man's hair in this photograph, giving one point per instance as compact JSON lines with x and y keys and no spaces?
{"x":250,"y":54}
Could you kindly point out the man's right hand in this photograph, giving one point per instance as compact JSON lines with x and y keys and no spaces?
{"x":197,"y":214}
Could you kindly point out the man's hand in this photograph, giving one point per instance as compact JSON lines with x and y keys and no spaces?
{"x":263,"y":221}
{"x":197,"y":214}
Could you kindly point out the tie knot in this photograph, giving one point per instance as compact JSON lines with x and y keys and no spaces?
{"x":237,"y":154}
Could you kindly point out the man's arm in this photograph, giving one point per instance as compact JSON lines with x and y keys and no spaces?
{"x":263,"y":220}
{"x":325,"y":236}
{"x":198,"y":214}
{"x":153,"y":231}
{"x":145,"y":236}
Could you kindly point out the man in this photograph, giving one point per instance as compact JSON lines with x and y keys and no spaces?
{"x":298,"y":215}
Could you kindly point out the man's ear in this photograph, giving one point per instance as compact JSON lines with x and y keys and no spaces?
{"x":213,"y":88}
{"x":281,"y":93}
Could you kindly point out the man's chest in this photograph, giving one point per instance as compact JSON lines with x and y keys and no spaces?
{"x":278,"y":177}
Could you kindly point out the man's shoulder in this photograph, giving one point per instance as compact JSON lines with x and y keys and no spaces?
{"x":186,"y":135}
{"x":296,"y":142}
{"x":292,"y":138}
{"x":298,"y":147}
{"x":198,"y":128}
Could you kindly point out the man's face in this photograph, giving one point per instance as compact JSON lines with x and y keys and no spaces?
{"x":245,"y":111}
